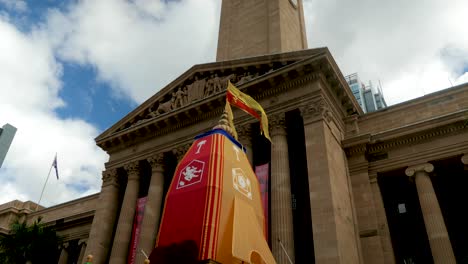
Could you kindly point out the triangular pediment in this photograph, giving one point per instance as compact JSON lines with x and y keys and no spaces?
{"x":205,"y":81}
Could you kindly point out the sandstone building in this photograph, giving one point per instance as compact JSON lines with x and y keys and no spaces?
{"x":345,"y":187}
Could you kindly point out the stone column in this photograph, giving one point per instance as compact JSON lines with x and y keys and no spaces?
{"x":281,"y":207}
{"x":123,"y":233}
{"x":100,"y":236}
{"x":433,"y":219}
{"x":82,"y":245}
{"x":150,"y":224}
{"x":64,"y":254}
{"x":245,"y":137}
{"x":382,"y":222}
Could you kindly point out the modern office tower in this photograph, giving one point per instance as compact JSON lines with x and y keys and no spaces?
{"x":370,"y":98}
{"x":7,"y":133}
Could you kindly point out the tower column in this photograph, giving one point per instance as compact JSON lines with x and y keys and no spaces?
{"x":123,"y":233}
{"x":151,"y":217}
{"x":281,"y":209}
{"x":433,"y":219}
{"x":100,"y":236}
{"x":334,"y":230}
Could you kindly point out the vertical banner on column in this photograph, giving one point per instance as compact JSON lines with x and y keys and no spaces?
{"x":262,"y":175}
{"x":140,"y":209}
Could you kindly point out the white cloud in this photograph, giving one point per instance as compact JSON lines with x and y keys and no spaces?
{"x":30,"y":83}
{"x":405,"y":44}
{"x":138,"y":46}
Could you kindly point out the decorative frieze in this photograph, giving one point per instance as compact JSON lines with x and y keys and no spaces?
{"x":201,"y":87}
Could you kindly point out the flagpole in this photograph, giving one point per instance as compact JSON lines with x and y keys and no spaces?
{"x":43,"y":188}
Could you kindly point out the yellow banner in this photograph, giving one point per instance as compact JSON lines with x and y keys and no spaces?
{"x":248,"y":105}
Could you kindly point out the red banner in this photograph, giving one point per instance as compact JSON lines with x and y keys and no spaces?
{"x":262,"y":175}
{"x":136,"y":229}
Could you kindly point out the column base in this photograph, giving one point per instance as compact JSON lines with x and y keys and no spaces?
{"x":208,"y":261}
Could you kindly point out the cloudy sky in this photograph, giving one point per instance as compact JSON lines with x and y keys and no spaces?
{"x":70,"y":69}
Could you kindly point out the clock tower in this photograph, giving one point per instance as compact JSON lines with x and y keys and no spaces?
{"x":259,"y":27}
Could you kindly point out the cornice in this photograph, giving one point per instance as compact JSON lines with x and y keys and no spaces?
{"x":407,"y":135}
{"x":66,"y":204}
{"x":436,"y":153}
{"x":417,"y":137}
{"x":288,"y":75}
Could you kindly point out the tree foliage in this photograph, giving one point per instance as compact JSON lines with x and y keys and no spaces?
{"x":35,"y":243}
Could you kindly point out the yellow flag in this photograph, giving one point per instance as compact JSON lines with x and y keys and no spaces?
{"x":230,"y":118}
{"x":235,"y":97}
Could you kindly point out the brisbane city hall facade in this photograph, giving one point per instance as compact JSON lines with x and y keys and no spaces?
{"x":345,"y":187}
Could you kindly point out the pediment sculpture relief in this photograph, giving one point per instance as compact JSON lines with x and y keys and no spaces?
{"x":199,"y":89}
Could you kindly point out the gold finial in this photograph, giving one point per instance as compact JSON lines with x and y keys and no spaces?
{"x":226,"y":122}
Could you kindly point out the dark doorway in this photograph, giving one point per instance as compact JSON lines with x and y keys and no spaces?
{"x":405,"y":220}
{"x":262,"y":155}
{"x":302,"y":222}
{"x":450,"y":182}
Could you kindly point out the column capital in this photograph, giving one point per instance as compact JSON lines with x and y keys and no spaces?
{"x":373,"y":177}
{"x":180,"y":151}
{"x":244,"y":132}
{"x":156,"y":161}
{"x":277,"y":124}
{"x":426,"y":167}
{"x":316,"y":110}
{"x":464,"y":159}
{"x":65,"y":245}
{"x":110,"y":177}
{"x":133,"y":170}
{"x":82,"y":241}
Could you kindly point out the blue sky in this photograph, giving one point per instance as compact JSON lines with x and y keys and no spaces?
{"x":71,"y":69}
{"x":89,"y":99}
{"x":85,"y":96}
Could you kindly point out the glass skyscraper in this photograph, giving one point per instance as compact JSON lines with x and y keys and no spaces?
{"x":370,"y":98}
{"x":7,"y":133}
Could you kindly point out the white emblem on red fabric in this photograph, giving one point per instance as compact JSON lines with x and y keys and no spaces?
{"x":191,"y":174}
{"x":200,"y":145}
{"x":241,"y":183}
